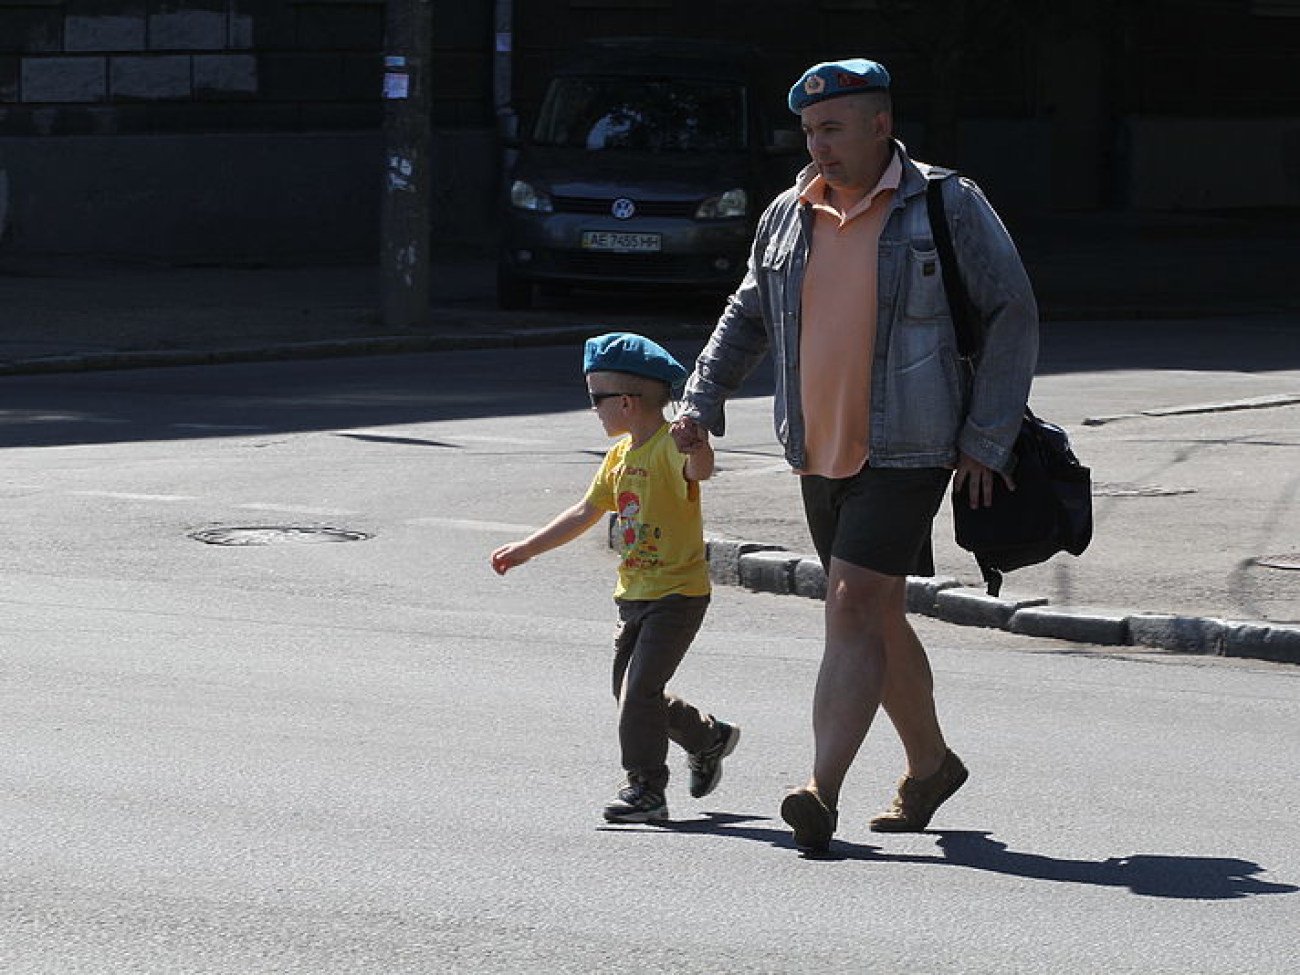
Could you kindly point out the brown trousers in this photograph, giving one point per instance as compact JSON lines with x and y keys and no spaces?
{"x":653,"y":637}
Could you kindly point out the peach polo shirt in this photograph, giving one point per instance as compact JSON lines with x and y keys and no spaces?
{"x":838,"y":325}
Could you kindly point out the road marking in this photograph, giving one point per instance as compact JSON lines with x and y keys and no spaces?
{"x":515,"y":441}
{"x":757,"y":471}
{"x":293,"y":509}
{"x":471,"y":525}
{"x":128,"y":496}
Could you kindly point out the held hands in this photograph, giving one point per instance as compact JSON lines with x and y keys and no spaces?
{"x":692,"y":440}
{"x":980,"y":480}
{"x":688,"y":435}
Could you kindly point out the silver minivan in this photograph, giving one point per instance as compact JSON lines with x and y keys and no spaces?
{"x":648,"y":164}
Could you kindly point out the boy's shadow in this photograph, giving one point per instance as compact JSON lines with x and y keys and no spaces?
{"x":1150,"y":875}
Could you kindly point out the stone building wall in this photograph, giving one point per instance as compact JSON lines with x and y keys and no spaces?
{"x":239,"y":130}
{"x":98,"y":67}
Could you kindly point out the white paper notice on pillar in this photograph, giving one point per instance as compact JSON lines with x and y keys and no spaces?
{"x":397,"y":85}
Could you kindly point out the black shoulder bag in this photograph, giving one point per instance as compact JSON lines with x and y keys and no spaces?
{"x":1050,"y":509}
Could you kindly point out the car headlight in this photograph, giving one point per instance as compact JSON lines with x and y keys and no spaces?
{"x":728,"y":206}
{"x":524,"y":196}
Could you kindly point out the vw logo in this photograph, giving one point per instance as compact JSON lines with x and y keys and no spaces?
{"x":623,"y":208}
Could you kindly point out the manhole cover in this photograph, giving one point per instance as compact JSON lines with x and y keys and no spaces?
{"x":1291,"y":560}
{"x":276,"y":535}
{"x":1123,"y":489}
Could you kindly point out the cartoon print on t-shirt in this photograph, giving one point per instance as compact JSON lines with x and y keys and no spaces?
{"x":640,"y":548}
{"x":629,"y":526}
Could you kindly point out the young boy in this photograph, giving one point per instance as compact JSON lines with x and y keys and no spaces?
{"x":663,"y":579}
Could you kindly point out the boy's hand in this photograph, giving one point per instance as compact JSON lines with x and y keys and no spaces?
{"x":696,"y":444}
{"x":508,"y":556}
{"x":688,"y":435}
{"x":693,"y":444}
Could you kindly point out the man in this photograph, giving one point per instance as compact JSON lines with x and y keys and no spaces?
{"x":875,"y":410}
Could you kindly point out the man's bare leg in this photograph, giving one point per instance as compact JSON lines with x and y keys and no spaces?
{"x":860,"y":606}
{"x":909,"y":697}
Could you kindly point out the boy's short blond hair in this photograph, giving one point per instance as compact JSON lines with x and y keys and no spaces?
{"x":653,"y":392}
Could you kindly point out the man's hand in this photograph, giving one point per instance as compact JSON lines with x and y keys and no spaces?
{"x":979,"y":480}
{"x":688,"y":435}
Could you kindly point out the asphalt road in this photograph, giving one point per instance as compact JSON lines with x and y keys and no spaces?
{"x":376,"y":756}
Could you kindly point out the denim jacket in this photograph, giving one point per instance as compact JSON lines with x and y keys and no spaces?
{"x":926,"y":402}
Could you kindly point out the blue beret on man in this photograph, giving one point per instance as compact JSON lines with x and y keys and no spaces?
{"x":635,"y":354}
{"x":831,"y":79}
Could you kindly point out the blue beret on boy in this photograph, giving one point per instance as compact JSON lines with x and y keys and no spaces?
{"x":830,"y":79}
{"x":635,"y":354}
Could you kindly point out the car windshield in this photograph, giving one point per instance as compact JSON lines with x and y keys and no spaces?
{"x":610,"y":114}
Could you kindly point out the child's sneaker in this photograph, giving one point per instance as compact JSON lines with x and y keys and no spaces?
{"x":637,"y":804}
{"x":706,"y":766}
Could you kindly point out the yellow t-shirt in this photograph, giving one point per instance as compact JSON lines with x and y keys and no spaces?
{"x":660,"y":529}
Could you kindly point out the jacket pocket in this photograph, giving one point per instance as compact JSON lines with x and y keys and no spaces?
{"x":923,"y":293}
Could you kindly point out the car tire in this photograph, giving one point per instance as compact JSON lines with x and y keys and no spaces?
{"x":513,"y":292}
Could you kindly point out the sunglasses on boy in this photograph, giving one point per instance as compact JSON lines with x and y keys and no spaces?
{"x":598,"y":398}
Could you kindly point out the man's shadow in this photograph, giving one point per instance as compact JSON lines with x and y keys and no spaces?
{"x":1149,"y":875}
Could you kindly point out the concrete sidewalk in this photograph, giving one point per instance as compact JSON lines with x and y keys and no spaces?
{"x":1198,"y":539}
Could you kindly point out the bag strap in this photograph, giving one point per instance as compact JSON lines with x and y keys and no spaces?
{"x":959,"y":304}
{"x":964,"y":320}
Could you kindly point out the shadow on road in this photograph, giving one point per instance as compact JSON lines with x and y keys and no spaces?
{"x":1149,"y":875}
{"x":344,"y":394}
{"x":194,"y":402}
{"x":1260,"y":343}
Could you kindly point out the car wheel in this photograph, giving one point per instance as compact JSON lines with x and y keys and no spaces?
{"x":513,"y":292}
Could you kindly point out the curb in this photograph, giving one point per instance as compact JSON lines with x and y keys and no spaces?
{"x":770,"y":568}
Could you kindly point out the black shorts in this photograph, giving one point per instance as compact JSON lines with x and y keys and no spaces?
{"x":879,"y":519}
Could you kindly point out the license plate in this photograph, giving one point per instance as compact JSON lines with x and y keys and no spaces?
{"x":609,"y":240}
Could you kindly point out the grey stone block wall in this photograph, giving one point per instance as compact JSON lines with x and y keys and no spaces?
{"x":63,"y":80}
{"x":279,"y":64}
{"x":192,"y":26}
{"x":125,"y":31}
{"x":149,"y":77}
